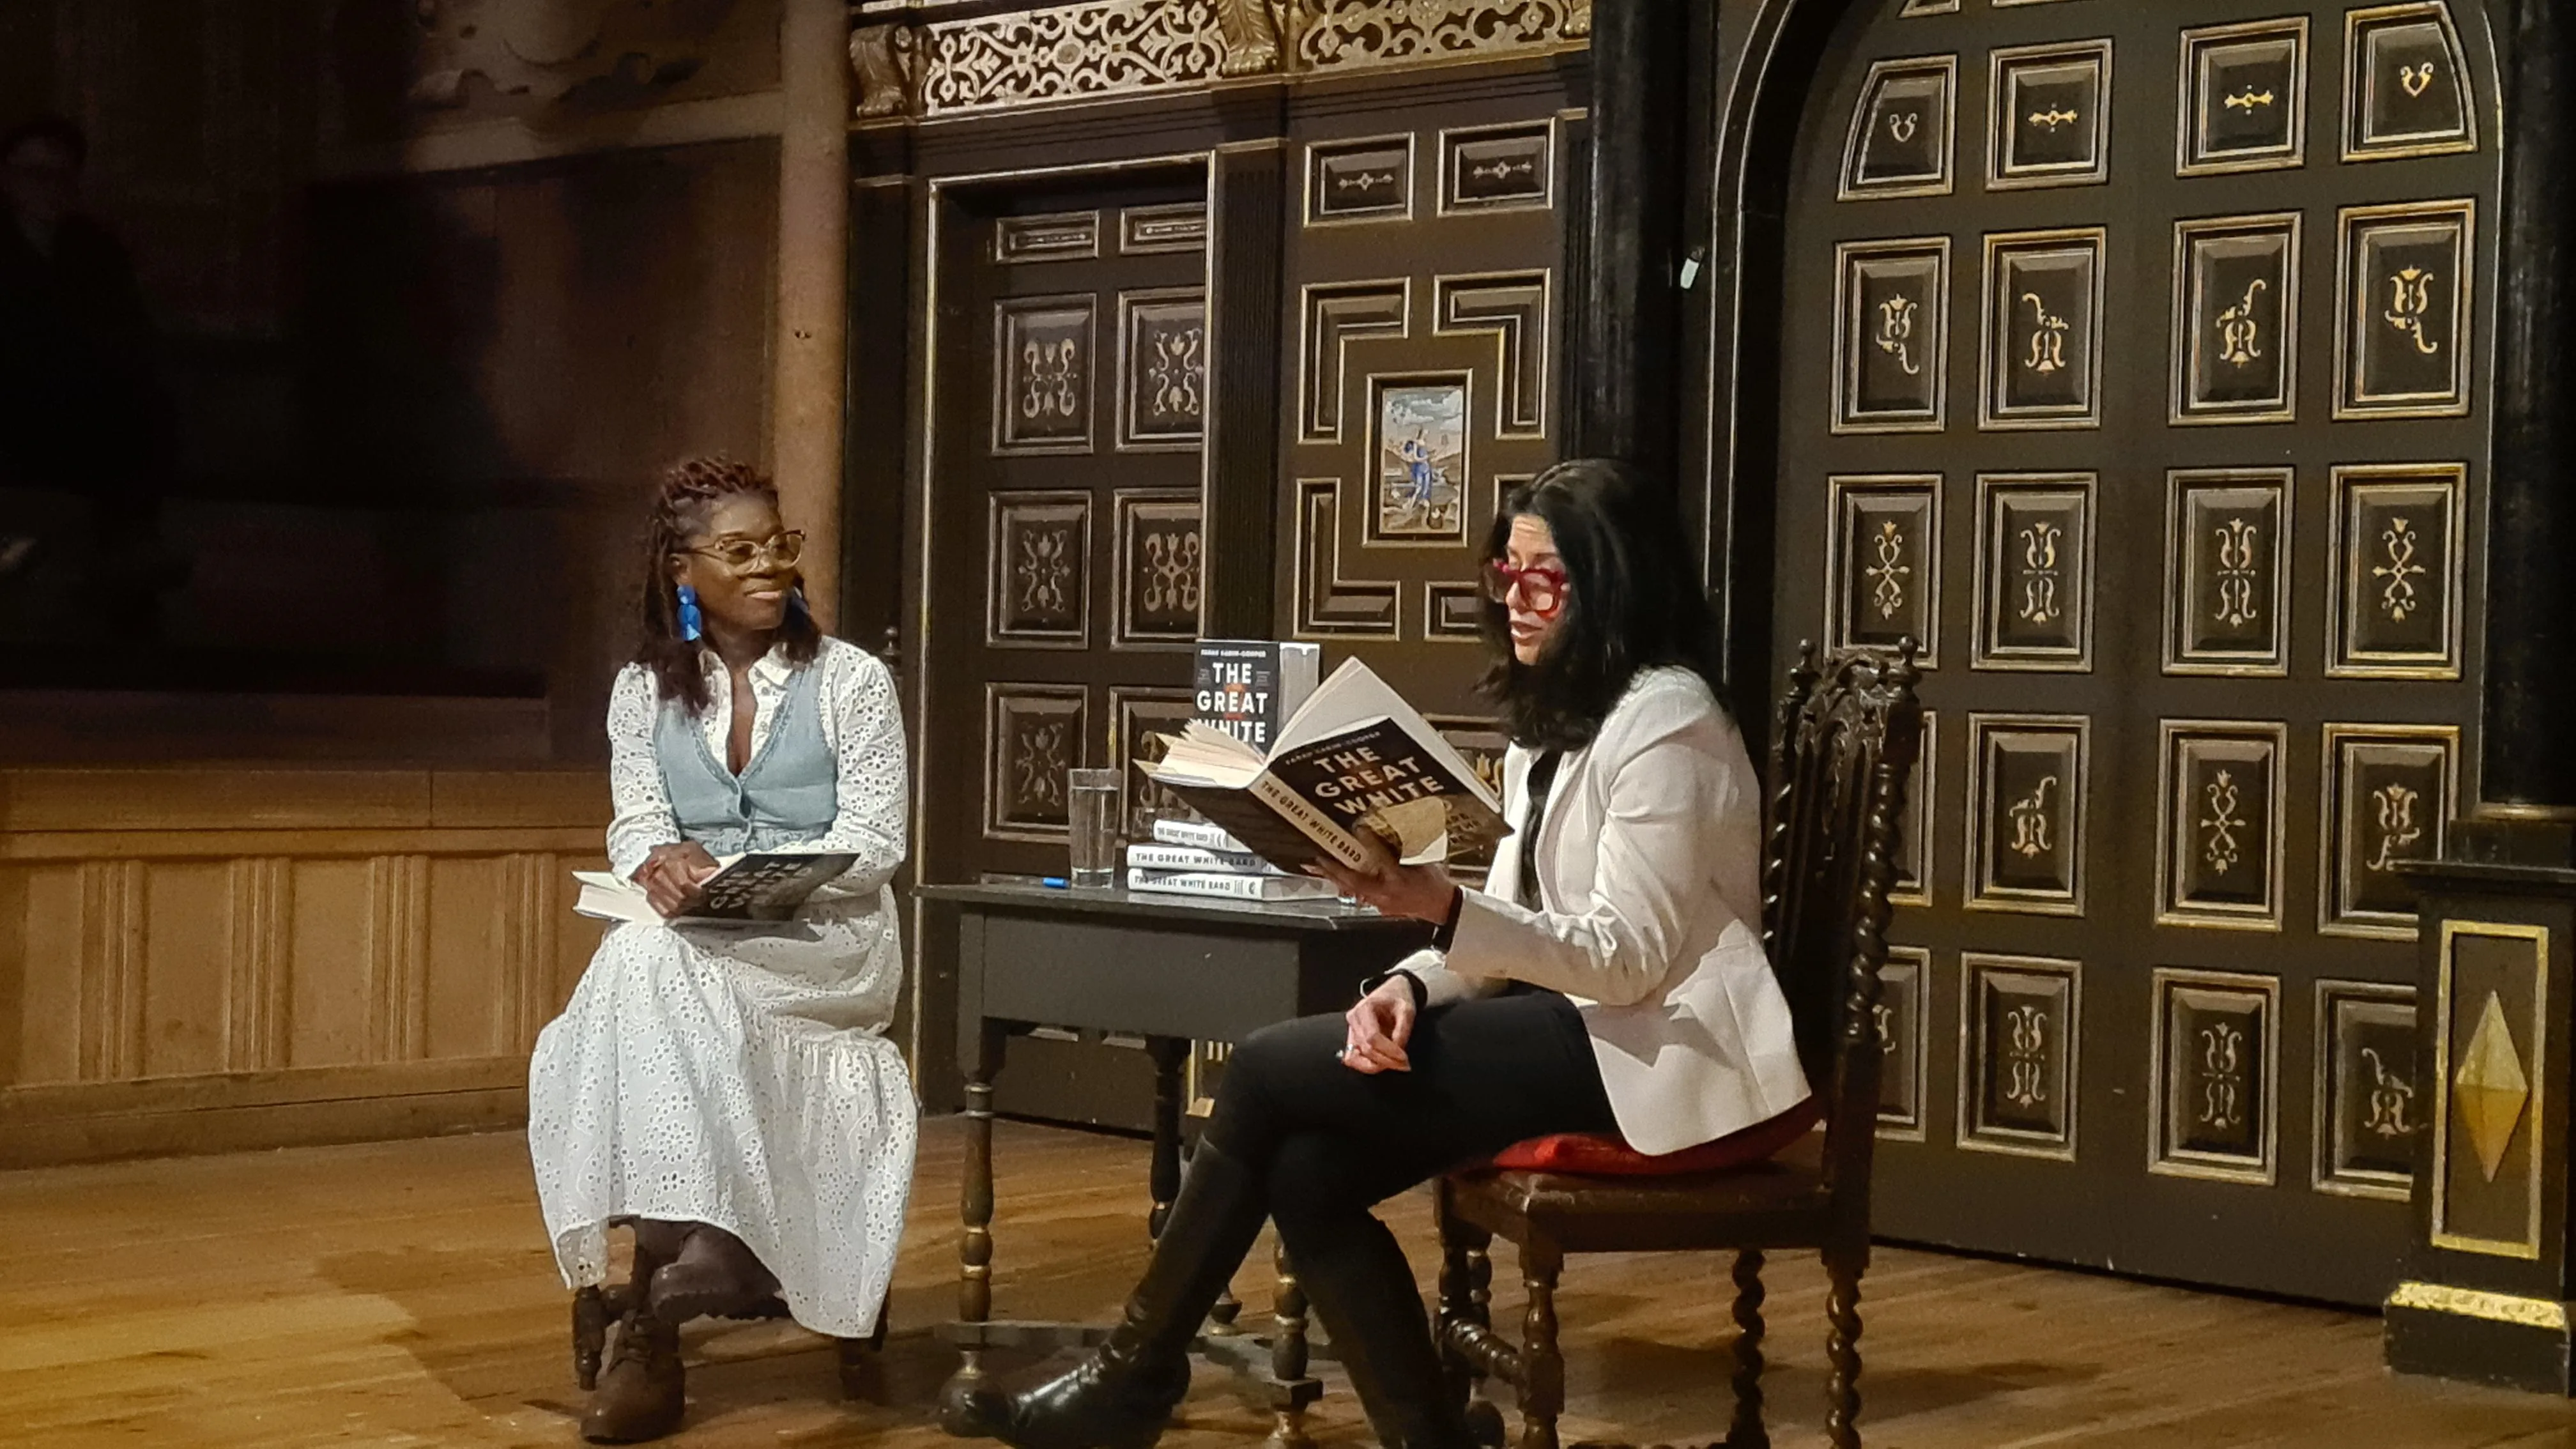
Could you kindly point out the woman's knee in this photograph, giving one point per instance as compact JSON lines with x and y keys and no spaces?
{"x":1262,"y":1071}
{"x":1315,"y":1179}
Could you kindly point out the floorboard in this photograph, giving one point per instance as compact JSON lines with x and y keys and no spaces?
{"x":399,"y":1294}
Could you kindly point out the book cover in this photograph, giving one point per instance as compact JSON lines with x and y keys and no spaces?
{"x":768,"y":886}
{"x":1197,"y":834}
{"x":1251,"y":688}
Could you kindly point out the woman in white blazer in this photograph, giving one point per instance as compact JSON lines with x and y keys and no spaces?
{"x":1609,"y":978}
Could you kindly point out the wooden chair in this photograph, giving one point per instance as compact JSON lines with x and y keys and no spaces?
{"x":597,"y":1306}
{"x":1840,"y":758}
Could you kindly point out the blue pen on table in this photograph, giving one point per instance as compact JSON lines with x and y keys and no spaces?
{"x":1056,"y":883}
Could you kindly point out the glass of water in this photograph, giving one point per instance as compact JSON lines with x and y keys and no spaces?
{"x":1091,"y":800}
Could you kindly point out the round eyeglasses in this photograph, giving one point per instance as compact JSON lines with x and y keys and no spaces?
{"x":743,"y":554}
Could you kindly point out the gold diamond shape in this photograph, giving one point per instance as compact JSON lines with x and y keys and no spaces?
{"x":2490,"y":1088}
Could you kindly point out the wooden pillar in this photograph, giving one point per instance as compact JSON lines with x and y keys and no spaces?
{"x":2488,"y":1288}
{"x":1623,"y":371}
{"x":812,"y":336}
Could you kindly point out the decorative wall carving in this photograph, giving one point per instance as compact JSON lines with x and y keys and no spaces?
{"x":1033,"y":733}
{"x":2214,"y":1076}
{"x":2029,"y":786}
{"x":1903,"y":130}
{"x":2244,"y":100}
{"x":2020,"y":1027}
{"x":1892,"y":335}
{"x":1162,"y":369}
{"x":2488,"y":1172}
{"x":2227,"y":580}
{"x":2390,"y":793}
{"x":1904,"y":1037}
{"x":2236,"y":311}
{"x":2398,"y":563}
{"x":1338,"y":314}
{"x":1118,"y":47}
{"x":2219,"y":850}
{"x":2050,"y":115}
{"x":2034,"y":586}
{"x":1498,"y":168}
{"x":2371,"y":1099}
{"x":1048,"y":350}
{"x":1327,"y":604}
{"x":1364,"y":180}
{"x":1512,"y":306}
{"x":1161,"y":560}
{"x":2406,"y":88}
{"x":538,"y":52}
{"x":2403,"y":330}
{"x":2043,"y":340}
{"x":1040,"y":569}
{"x":1883,"y":563}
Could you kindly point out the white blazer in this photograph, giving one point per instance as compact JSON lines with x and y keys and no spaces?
{"x":1649,"y":864}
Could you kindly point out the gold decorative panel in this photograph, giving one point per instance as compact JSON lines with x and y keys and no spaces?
{"x":1139,"y":719}
{"x":1916,"y":860}
{"x":1162,"y":369}
{"x":1069,"y":53}
{"x":2028,"y":779}
{"x":1161,"y":562}
{"x":1329,"y":605}
{"x":2236,"y":301}
{"x":1338,"y":314}
{"x":1904,"y":1039}
{"x":2034,"y":586}
{"x":2402,"y":330}
{"x":1360,"y":181}
{"x":2227,"y":576}
{"x":1498,"y":168}
{"x":2390,"y":793}
{"x":1892,"y":335}
{"x":2370,"y":1102}
{"x":1039,"y":571}
{"x":2397,"y":564}
{"x":2019,"y":1021}
{"x":1045,"y":350}
{"x":1175,"y":227}
{"x":2042,"y":347}
{"x":2213,"y":1076}
{"x":2406,"y":89}
{"x":1062,"y":236}
{"x":1357,"y":34}
{"x":1512,"y":308}
{"x":2244,"y":103}
{"x":1883,"y":563}
{"x":2220,"y":836}
{"x":1903,"y":130}
{"x":2490,"y":1051}
{"x":1033,"y":733}
{"x":2049,"y":115}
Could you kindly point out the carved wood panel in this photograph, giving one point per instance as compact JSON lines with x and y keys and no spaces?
{"x":2197,"y":577}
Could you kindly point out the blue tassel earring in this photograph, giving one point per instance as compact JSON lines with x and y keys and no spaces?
{"x":796,"y":601}
{"x":693,"y":625}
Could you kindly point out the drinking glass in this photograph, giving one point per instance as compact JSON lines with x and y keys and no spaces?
{"x":1091,"y":799}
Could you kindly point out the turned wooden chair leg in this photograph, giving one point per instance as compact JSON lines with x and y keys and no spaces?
{"x":1843,"y":1268}
{"x":1466,"y":1297}
{"x":1747,"y":1431}
{"x":590,"y":1318}
{"x":1542,"y":1386}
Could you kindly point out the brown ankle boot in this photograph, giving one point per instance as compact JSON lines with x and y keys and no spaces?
{"x":713,"y":1276}
{"x":641,"y":1392}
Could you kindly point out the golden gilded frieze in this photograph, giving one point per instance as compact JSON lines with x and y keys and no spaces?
{"x":908,"y":62}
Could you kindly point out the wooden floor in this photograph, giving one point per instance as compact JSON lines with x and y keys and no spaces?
{"x":399,"y":1294}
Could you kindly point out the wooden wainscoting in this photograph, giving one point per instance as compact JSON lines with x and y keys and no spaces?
{"x":204,"y":958}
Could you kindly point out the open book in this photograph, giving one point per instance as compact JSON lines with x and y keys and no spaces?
{"x":1355,"y":757}
{"x":763,"y":887}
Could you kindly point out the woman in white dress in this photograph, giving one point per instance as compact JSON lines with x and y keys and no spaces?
{"x":729,"y":1091}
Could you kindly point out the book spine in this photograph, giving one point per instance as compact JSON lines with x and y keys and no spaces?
{"x":1199,"y":835}
{"x":1230,"y":887}
{"x":1183,"y":857}
{"x":1310,"y":822}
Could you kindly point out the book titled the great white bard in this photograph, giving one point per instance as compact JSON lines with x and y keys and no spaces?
{"x":1196,"y":834}
{"x":1187,"y":857}
{"x":1228,"y":885}
{"x":766,"y":886}
{"x":1355,"y":758}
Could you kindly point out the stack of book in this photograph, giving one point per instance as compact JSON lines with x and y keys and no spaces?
{"x":1245,"y":688}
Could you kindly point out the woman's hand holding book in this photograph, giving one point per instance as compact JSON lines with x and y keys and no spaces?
{"x":672,"y":874}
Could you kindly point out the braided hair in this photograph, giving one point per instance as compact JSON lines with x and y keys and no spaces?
{"x":690,"y":490}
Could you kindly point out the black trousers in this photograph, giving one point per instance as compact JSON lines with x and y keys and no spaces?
{"x":1332,"y":1142}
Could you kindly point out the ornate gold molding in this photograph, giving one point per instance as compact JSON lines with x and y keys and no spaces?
{"x":2477,"y":1303}
{"x":536,"y":52}
{"x":909,"y":65}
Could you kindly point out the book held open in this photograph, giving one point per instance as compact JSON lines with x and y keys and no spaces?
{"x":1355,"y":757}
{"x":768,"y":886}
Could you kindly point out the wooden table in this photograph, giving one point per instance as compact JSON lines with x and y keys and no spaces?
{"x":1173,"y":970}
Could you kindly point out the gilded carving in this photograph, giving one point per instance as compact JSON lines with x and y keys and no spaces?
{"x":2019,"y":1036}
{"x":1251,"y":37}
{"x":886,"y":62}
{"x":540,"y":51}
{"x":1075,"y":52}
{"x":2220,"y":848}
{"x":1348,"y":34}
{"x":2213,"y":1086}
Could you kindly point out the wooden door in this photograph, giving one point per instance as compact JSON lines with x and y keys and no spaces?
{"x":2131,"y":363}
{"x":1070,"y":354}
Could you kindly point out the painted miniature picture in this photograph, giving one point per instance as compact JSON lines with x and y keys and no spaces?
{"x":1422,"y":460}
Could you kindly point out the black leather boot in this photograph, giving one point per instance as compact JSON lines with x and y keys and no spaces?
{"x":1361,"y":1290}
{"x":1122,"y":1393}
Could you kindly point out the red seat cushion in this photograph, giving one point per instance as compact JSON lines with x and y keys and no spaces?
{"x":1605,"y":1155}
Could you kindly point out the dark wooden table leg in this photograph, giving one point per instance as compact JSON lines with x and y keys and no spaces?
{"x":1163,"y":1175}
{"x":975,"y":1248}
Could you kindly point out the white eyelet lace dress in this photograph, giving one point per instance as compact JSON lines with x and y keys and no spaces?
{"x":741,"y":1076}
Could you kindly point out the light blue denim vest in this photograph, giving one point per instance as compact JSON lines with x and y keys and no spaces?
{"x":786,"y":797}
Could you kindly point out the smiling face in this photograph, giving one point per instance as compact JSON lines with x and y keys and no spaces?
{"x":1534,"y":601}
{"x":751,"y":598}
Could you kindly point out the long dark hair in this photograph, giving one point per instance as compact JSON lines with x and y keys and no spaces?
{"x":1632,"y":602}
{"x":689,"y":491}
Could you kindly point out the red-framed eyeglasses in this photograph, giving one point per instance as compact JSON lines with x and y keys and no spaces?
{"x":1541,"y":586}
